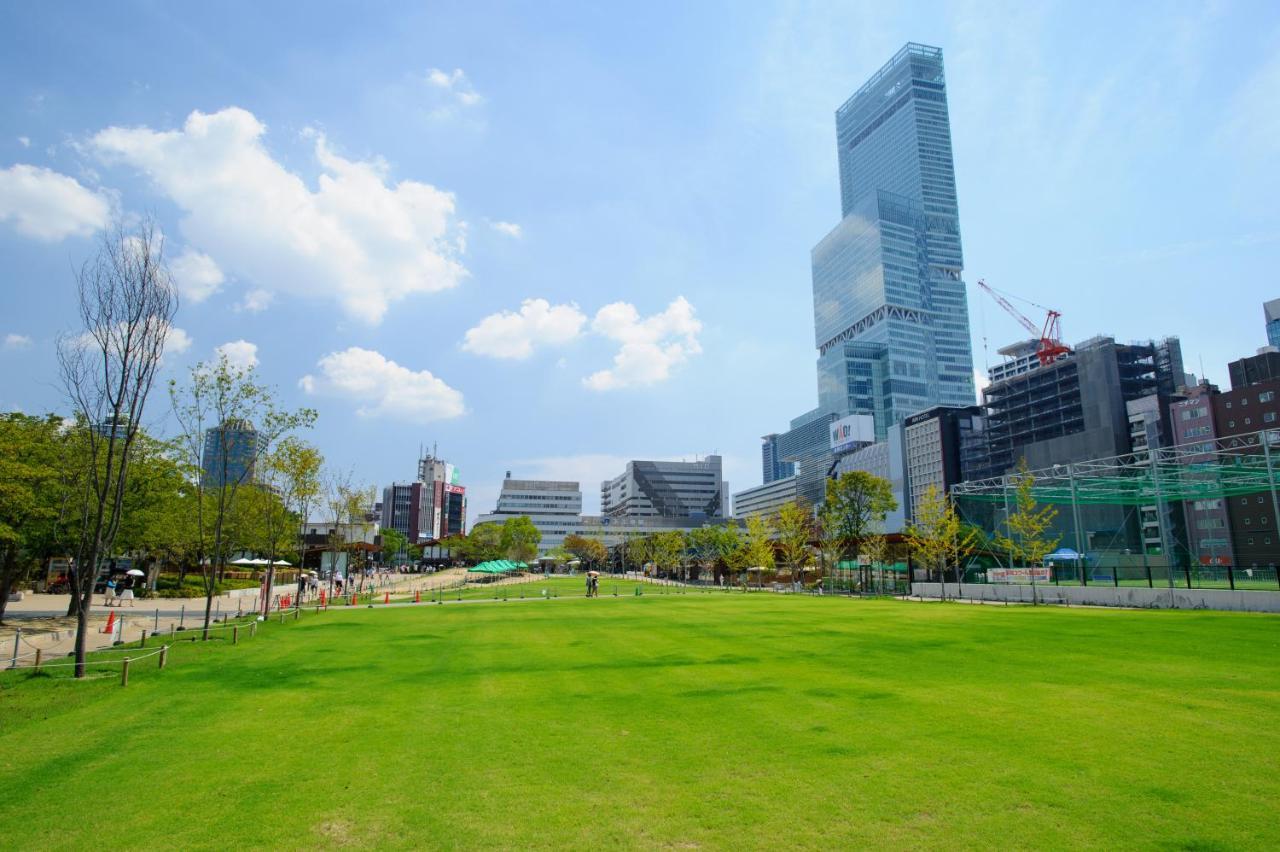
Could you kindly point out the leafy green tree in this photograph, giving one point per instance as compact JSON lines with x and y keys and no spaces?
{"x":483,"y":544}
{"x":757,"y":546}
{"x":590,"y":551}
{"x":793,"y":526}
{"x":520,"y":539}
{"x":856,"y":505}
{"x":666,"y":549}
{"x":1027,"y":540}
{"x":710,"y":546}
{"x":292,"y":471}
{"x":29,"y":494}
{"x":637,"y":551}
{"x":394,"y":545}
{"x":936,"y":536}
{"x":225,"y":395}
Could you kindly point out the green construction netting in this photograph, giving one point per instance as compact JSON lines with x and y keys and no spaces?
{"x":850,"y":565}
{"x":497,"y":566}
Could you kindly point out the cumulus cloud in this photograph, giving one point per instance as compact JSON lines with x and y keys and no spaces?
{"x":256,"y":301}
{"x":16,"y":341}
{"x":196,"y":275}
{"x":651,"y":347}
{"x":24,"y":141}
{"x":177,"y":341}
{"x":383,"y":388}
{"x":514,"y":335}
{"x":240,"y":354}
{"x":49,"y":206}
{"x":511,"y":229}
{"x":456,"y":84}
{"x":358,"y":237}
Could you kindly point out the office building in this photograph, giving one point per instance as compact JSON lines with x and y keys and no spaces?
{"x":772,"y":465}
{"x":405,"y":509}
{"x":890,"y":314}
{"x":664,"y":489}
{"x":885,"y":460}
{"x":937,"y":444}
{"x":1206,"y":521}
{"x":231,"y":452}
{"x":1254,"y":370}
{"x":806,"y":446}
{"x":554,"y":507}
{"x":1271,"y":311}
{"x":765,"y":500}
{"x":1252,"y":405}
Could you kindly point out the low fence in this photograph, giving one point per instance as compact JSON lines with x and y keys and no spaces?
{"x":1152,"y":575}
{"x":1101,"y":595}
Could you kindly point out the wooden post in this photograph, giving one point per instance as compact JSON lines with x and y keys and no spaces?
{"x":164,"y":654}
{"x":124,"y":672}
{"x":173,"y":630}
{"x":253,"y":629}
{"x":235,"y":635}
{"x":39,"y":657}
{"x":142,"y":643}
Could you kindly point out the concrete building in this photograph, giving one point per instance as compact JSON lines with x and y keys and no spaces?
{"x":663,"y":489}
{"x":806,"y":447}
{"x":937,"y":445}
{"x":1149,"y":429}
{"x":765,"y":500}
{"x":1206,"y":521}
{"x":771,"y":464}
{"x":231,"y":452}
{"x":554,"y":507}
{"x":613,"y":531}
{"x":1252,"y":405}
{"x":885,"y":460}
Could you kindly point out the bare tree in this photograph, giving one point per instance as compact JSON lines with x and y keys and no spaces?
{"x":127,"y":303}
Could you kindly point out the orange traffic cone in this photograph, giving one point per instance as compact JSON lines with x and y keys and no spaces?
{"x":386,"y":597}
{"x":417,"y":596}
{"x":111,"y":624}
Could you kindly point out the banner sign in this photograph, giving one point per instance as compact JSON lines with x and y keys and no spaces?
{"x":1018,"y":575}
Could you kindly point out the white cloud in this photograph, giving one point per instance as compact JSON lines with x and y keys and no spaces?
{"x":49,"y":206}
{"x":256,"y":301}
{"x":357,"y":238}
{"x":511,"y":229}
{"x":456,"y":84}
{"x":240,"y":354}
{"x":177,"y":341}
{"x":196,"y":275}
{"x":651,"y":347}
{"x":16,"y":341}
{"x":980,"y":381}
{"x":24,"y":141}
{"x":384,"y":388}
{"x":514,"y":335}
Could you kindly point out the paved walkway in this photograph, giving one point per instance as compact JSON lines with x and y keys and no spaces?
{"x":44,"y":624}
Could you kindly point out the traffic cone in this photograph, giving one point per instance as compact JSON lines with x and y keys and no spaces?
{"x":417,"y":596}
{"x":111,"y":624}
{"x":386,"y":597}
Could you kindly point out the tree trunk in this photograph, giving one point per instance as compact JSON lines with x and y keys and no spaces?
{"x":7,"y":574}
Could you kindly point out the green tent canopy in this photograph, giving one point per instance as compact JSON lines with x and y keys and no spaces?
{"x":497,"y":566}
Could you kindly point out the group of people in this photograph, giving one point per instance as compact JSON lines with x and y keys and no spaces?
{"x":116,"y":593}
{"x":593,"y":585}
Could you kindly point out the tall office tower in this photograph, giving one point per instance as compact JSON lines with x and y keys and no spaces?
{"x":554,"y":507}
{"x":772,"y":466}
{"x":1271,"y":310}
{"x":231,"y":452}
{"x":891,"y":319}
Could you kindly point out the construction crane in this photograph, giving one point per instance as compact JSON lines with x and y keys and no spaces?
{"x":1051,"y":346}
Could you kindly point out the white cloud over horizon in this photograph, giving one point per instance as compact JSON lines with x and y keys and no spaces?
{"x":383,"y":388}
{"x":456,"y":84}
{"x":357,"y":238}
{"x":651,"y":346}
{"x":177,"y":341}
{"x":256,"y":301}
{"x":513,"y":335}
{"x":240,"y":354}
{"x":49,"y":206}
{"x":13,"y":340}
{"x":511,"y":229}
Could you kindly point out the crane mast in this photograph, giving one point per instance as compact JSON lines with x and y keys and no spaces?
{"x":1050,"y":335}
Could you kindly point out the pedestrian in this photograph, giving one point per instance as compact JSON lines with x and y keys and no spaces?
{"x":126,"y":593}
{"x":109,"y":593}
{"x":595,"y":587}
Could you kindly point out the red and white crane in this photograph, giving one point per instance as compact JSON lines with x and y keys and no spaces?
{"x":1050,"y":336}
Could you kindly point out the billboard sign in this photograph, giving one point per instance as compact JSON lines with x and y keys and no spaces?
{"x":850,"y":433}
{"x":1018,"y":575}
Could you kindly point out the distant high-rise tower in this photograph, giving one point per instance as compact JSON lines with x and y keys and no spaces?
{"x":1271,"y":310}
{"x":891,"y":318}
{"x":231,"y":452}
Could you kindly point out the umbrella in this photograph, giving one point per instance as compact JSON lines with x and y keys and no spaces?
{"x":593,"y":573}
{"x":282,"y":562}
{"x":134,"y":572}
{"x":243,"y":561}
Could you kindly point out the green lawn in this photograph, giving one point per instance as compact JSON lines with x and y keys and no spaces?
{"x":532,"y":586}
{"x":698,"y":720}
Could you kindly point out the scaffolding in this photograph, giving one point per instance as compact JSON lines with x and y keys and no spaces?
{"x":1121,"y":496}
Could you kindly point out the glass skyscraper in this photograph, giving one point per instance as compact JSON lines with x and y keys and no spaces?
{"x":891,"y":319}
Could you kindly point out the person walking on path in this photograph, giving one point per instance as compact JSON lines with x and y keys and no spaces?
{"x":126,"y":594}
{"x":109,"y":592}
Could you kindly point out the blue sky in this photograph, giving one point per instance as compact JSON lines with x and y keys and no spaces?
{"x":369,"y":200}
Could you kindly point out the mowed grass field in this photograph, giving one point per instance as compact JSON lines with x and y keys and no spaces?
{"x":689,"y":721}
